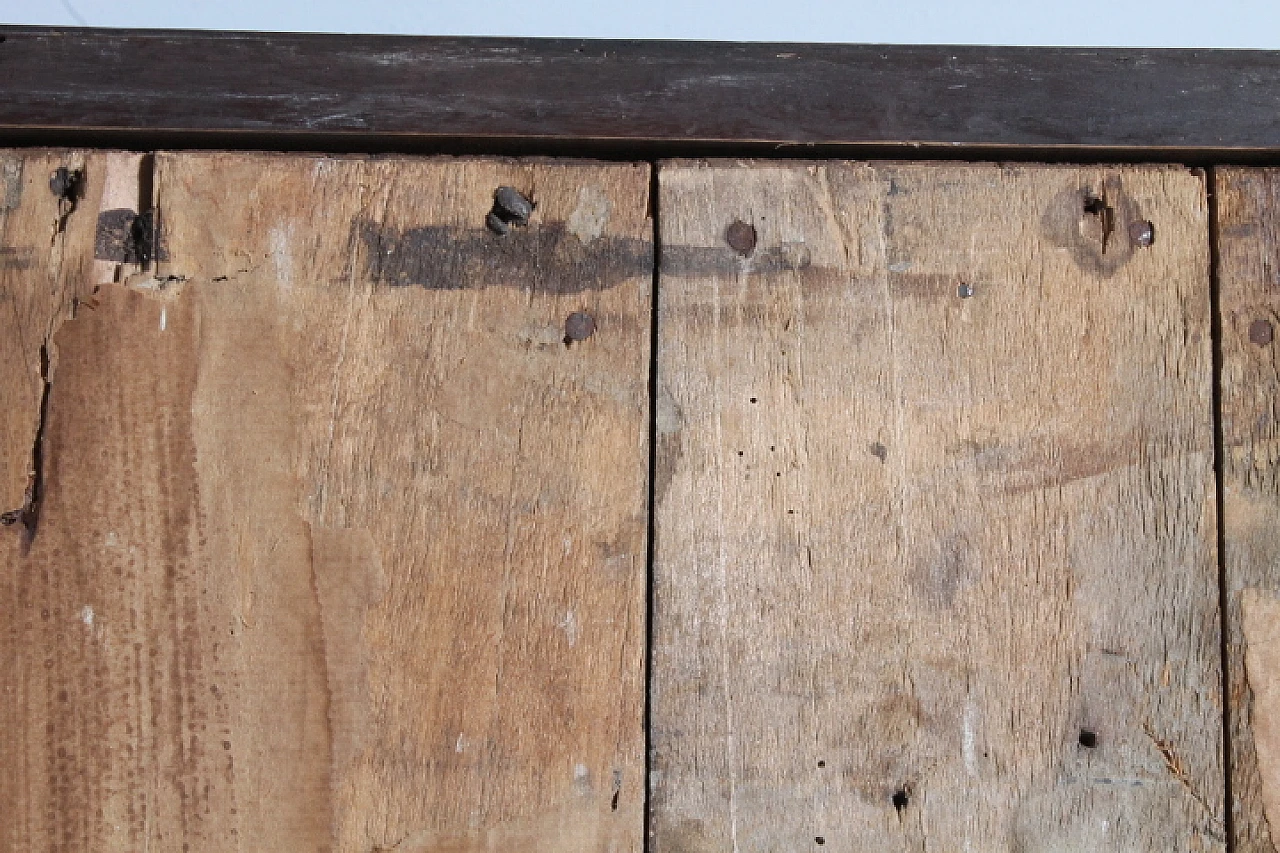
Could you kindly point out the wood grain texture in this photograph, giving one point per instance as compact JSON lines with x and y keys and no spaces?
{"x":934,"y":503}
{"x":47,"y":275}
{"x":344,"y":545}
{"x":46,"y":258}
{"x":388,"y":92}
{"x":43,"y":257}
{"x":1248,"y":240}
{"x":1260,"y":626}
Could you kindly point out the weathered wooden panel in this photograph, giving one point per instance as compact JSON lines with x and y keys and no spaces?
{"x":1248,"y":239}
{"x":49,"y":203}
{"x":343,"y":545}
{"x":935,"y":558}
{"x":49,"y":208}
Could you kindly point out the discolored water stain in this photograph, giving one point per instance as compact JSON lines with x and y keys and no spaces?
{"x":724,"y":261}
{"x":670,"y":450}
{"x":1238,"y":230}
{"x":938,"y":577}
{"x":543,"y":258}
{"x":15,"y":257}
{"x":687,"y":835}
{"x":927,"y":285}
{"x":1038,"y":463}
{"x":1090,"y":223}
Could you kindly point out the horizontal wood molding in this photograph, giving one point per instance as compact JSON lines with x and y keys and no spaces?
{"x":634,"y":98}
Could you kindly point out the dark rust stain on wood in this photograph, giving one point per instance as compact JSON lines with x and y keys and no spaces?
{"x":128,"y":237}
{"x":67,"y":184}
{"x":543,"y":258}
{"x":15,"y":257}
{"x":698,"y":261}
{"x":114,"y":238}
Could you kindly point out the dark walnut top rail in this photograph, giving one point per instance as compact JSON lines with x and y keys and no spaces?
{"x":634,"y":98}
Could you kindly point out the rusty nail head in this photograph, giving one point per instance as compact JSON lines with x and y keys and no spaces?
{"x":1260,"y":332}
{"x":496,"y":224}
{"x":741,"y":237}
{"x":512,"y":206}
{"x":579,"y":326}
{"x":1142,"y":232}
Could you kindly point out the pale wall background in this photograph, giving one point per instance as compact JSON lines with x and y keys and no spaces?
{"x":1103,"y":23}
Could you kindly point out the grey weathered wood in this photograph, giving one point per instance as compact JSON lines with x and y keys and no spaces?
{"x":1248,"y":238}
{"x":934,"y":505}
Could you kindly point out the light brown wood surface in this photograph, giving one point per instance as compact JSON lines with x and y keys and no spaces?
{"x":46,"y":262}
{"x":1248,"y":239}
{"x":343,"y":546}
{"x":47,"y":268}
{"x":934,"y":496}
{"x":339,"y":539}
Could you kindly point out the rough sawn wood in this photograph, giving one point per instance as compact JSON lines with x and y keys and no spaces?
{"x":343,"y":545}
{"x":935,"y":557}
{"x":1248,"y":238}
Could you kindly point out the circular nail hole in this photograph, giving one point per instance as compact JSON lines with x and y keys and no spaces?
{"x":819,"y":840}
{"x":578,"y":327}
{"x":754,"y":400}
{"x":1260,"y":332}
{"x":820,"y":763}
{"x":901,"y":799}
{"x":1088,"y":739}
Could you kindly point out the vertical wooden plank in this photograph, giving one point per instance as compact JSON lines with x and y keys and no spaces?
{"x":49,"y":205}
{"x":935,"y":556}
{"x":1248,"y":242}
{"x":46,"y":258}
{"x":362,"y":534}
